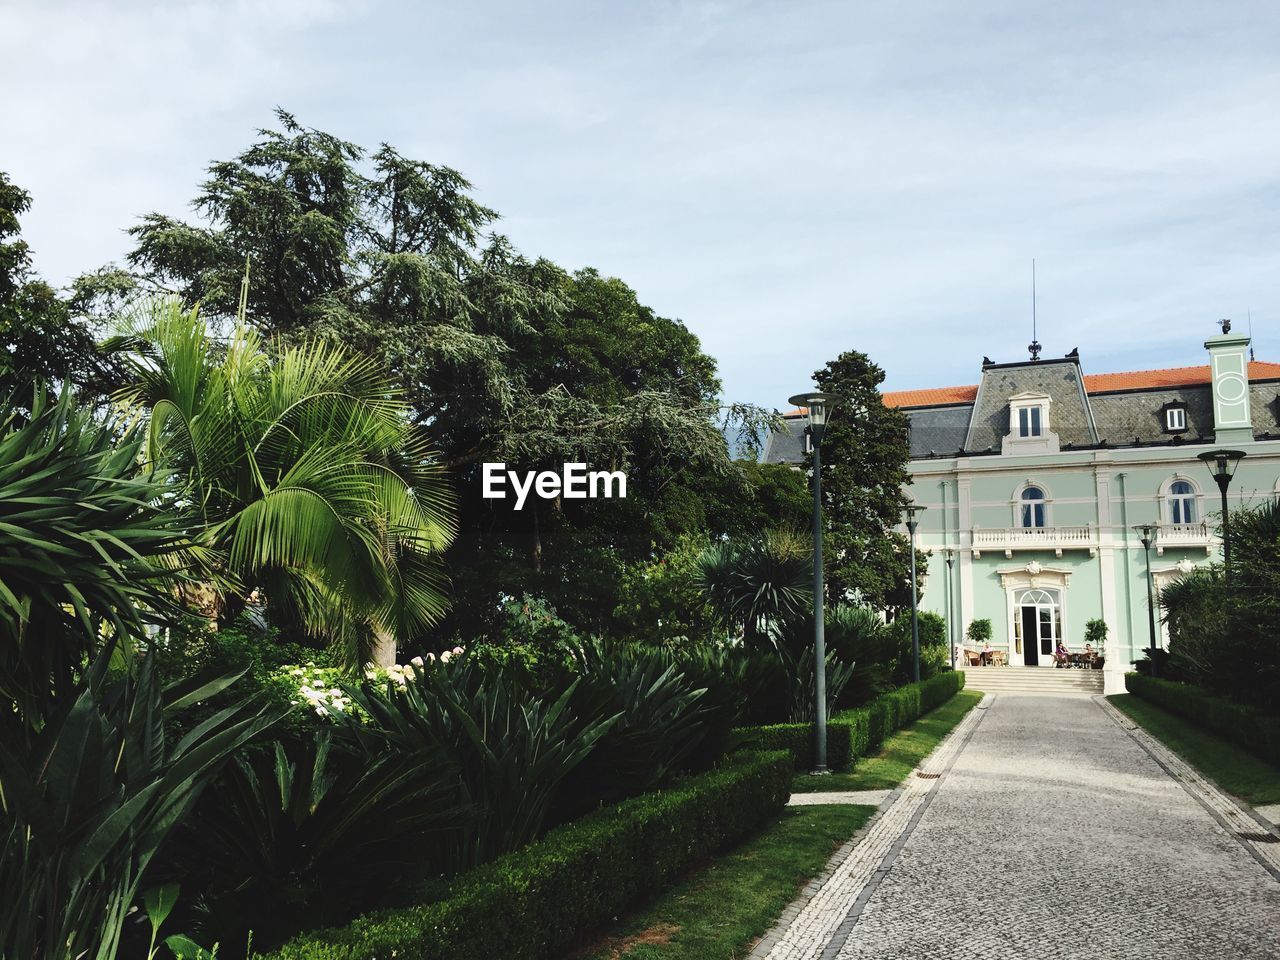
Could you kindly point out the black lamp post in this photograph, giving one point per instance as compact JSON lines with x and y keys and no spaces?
{"x":950,"y":556}
{"x":1222,"y":464}
{"x":819,"y":406}
{"x":911,"y":509}
{"x":1147,"y":533}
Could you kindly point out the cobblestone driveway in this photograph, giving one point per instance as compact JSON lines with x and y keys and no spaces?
{"x":1053,"y":834}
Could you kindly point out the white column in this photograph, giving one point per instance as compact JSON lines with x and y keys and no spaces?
{"x":1113,"y":672}
{"x":965,"y":531}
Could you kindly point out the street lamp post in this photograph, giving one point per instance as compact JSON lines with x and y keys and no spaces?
{"x":819,"y":406}
{"x":1147,"y":533}
{"x":911,"y":509}
{"x":950,"y":556}
{"x":1222,"y":464}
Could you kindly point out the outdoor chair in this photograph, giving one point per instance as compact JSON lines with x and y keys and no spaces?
{"x":999,"y":658}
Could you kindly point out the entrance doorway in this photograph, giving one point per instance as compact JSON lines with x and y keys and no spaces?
{"x":1039,"y":626}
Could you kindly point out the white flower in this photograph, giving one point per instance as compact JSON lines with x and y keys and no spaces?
{"x":320,"y":711}
{"x":446,"y":657}
{"x":457,"y":651}
{"x":371,"y":674}
{"x":417,"y":662}
{"x":335,"y":692}
{"x":431,"y":657}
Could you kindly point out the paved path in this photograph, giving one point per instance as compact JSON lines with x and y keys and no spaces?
{"x":1042,"y":828}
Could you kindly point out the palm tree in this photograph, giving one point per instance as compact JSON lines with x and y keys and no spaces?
{"x":759,"y":583}
{"x":307,"y":482}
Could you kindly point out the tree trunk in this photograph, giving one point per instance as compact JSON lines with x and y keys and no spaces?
{"x":384,"y":648}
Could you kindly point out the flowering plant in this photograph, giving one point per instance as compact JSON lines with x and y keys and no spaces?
{"x":319,"y":690}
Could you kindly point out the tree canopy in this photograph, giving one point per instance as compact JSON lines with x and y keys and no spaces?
{"x":40,"y":342}
{"x":864,"y":477}
{"x":501,"y":357}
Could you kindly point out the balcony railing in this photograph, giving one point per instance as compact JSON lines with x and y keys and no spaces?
{"x":1056,"y":539}
{"x":1183,"y":535}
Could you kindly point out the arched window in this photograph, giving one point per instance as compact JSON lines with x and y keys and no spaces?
{"x":1033,"y":513}
{"x":1182,"y":502}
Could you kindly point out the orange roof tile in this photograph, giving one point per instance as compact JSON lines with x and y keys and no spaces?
{"x":1093,"y":383}
{"x":927,"y":398}
{"x":1172,"y":377}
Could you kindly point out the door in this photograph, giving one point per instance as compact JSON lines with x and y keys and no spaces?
{"x":1030,"y":636}
{"x":1039,"y":626}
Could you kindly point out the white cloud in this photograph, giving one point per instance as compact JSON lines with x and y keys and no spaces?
{"x":792,"y":179}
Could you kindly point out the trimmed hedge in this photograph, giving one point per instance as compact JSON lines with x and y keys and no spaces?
{"x":855,"y":733}
{"x":537,"y":902}
{"x":1244,"y":726}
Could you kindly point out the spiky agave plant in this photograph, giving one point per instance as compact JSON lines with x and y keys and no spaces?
{"x":87,"y":551}
{"x":89,"y":801}
{"x":309,"y":482}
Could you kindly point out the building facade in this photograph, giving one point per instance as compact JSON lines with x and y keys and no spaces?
{"x":1035,"y":477}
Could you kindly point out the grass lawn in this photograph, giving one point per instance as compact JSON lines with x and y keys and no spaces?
{"x":1235,"y":771}
{"x":718,"y":911}
{"x":899,"y":755}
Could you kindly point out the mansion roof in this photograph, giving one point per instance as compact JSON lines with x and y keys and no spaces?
{"x":1085,"y":410}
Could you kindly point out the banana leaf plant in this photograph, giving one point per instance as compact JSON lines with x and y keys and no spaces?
{"x":89,"y":801}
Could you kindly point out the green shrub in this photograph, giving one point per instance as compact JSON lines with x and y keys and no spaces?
{"x":537,"y":902}
{"x":1242,"y":725}
{"x":855,"y":733}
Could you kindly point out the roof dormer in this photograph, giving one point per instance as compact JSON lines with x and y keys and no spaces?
{"x":1029,"y":431}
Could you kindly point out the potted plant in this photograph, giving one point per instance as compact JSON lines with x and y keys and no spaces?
{"x":1095,"y":634}
{"x":979,"y":633}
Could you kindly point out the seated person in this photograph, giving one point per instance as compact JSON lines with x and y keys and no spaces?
{"x":1060,"y":655}
{"x":986,"y":654}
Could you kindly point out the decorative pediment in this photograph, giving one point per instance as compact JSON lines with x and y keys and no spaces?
{"x":1034,"y":574}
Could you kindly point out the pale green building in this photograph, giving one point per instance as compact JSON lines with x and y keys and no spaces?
{"x":1034,"y":478}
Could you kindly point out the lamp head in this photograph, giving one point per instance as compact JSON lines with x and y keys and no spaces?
{"x":1222,"y":464}
{"x":911,"y":510}
{"x":1147,"y":533}
{"x":819,"y":405}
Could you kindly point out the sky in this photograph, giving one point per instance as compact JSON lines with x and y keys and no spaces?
{"x":789,"y":179}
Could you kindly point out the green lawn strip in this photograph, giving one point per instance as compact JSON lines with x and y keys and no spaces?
{"x":899,"y":755}
{"x":719,"y":910}
{"x":1235,"y":771}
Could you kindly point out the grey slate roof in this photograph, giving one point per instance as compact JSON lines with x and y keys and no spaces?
{"x":938,"y":431}
{"x":785,"y":446}
{"x":1116,"y":418}
{"x":1068,"y":415}
{"x":1123,"y":417}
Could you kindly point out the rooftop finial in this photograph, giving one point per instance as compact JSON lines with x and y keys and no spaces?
{"x":1034,"y":346}
{"x":1225,"y":324}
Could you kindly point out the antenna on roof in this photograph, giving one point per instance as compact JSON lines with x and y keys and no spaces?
{"x":1251,"y":356}
{"x":1034,"y":346}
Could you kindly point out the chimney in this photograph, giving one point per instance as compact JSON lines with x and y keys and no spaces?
{"x":1229,"y":371}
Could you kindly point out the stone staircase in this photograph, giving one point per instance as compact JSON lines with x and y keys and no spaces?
{"x":1034,"y":681}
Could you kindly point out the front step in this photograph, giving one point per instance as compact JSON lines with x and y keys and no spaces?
{"x":1036,"y":681}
